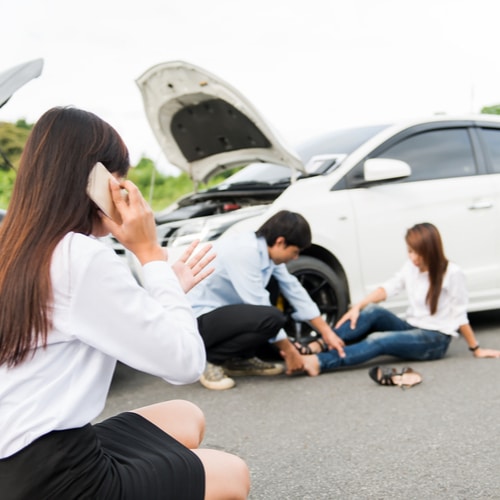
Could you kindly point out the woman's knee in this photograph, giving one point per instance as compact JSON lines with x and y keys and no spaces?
{"x":181,"y":419}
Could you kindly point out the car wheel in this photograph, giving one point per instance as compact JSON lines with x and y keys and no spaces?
{"x":324,"y":287}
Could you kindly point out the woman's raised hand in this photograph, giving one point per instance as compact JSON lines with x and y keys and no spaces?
{"x":191,"y":268}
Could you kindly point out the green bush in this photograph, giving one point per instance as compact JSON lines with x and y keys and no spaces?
{"x":159,"y":190}
{"x":6,"y":186}
{"x":491,"y":110}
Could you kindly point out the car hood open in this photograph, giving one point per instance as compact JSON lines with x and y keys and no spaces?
{"x":14,"y":78}
{"x":204,"y":125}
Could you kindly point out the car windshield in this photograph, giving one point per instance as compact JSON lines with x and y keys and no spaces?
{"x":336,"y":144}
{"x":257,"y":174}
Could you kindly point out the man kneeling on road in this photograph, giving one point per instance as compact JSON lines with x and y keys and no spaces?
{"x":235,"y":315}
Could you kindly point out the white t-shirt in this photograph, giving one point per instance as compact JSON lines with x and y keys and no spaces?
{"x":100,"y":315}
{"x":451,"y":310}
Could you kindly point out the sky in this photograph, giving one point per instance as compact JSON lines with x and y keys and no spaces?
{"x":308,"y":66}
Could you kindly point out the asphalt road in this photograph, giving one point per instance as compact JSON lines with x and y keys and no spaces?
{"x":340,"y":435}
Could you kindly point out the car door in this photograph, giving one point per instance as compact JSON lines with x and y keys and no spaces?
{"x":450,"y":186}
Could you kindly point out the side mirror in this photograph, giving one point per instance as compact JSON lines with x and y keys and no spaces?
{"x":382,"y":169}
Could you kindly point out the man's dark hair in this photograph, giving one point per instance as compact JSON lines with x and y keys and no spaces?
{"x":292,"y":226}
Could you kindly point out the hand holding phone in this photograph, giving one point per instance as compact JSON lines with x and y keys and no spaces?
{"x":100,"y":193}
{"x":139,"y":234}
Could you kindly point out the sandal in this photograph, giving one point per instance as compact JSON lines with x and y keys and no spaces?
{"x":405,"y":378}
{"x":304,"y":347}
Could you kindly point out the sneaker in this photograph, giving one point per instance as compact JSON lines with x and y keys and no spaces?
{"x":252,"y":366}
{"x":214,"y":378}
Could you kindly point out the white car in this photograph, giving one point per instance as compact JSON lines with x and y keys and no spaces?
{"x":360,"y":189}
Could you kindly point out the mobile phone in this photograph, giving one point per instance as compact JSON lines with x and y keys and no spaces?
{"x":99,"y":191}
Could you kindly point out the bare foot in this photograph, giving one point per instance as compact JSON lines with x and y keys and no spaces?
{"x":311,"y":365}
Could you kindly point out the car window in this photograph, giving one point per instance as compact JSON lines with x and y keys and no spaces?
{"x":435,"y":154}
{"x":491,"y":140}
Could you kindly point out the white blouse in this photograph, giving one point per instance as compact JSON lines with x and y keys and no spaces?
{"x":100,"y":315}
{"x":451,"y":310}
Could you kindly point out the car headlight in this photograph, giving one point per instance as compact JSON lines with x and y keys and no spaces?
{"x":198,"y":230}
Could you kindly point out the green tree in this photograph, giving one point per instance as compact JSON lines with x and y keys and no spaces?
{"x":158,"y":189}
{"x":12,"y":140}
{"x":491,"y":110}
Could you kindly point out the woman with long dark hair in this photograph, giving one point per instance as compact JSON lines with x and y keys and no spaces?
{"x":69,"y":309}
{"x":437,"y":311}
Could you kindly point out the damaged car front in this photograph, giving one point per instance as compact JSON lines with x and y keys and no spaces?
{"x":205,"y":127}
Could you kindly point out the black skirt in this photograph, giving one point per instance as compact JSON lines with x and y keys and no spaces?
{"x":123,"y":457}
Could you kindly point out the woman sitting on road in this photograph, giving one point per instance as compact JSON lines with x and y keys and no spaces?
{"x":437,"y":310}
{"x":69,"y":309}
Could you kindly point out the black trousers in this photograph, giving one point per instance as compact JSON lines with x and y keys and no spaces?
{"x":239,"y":330}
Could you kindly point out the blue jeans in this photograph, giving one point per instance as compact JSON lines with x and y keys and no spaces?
{"x":379,"y":332}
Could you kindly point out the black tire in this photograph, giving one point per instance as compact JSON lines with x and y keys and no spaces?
{"x":324,"y":287}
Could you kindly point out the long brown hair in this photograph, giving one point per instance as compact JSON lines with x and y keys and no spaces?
{"x":425,"y":240}
{"x":48,"y":201}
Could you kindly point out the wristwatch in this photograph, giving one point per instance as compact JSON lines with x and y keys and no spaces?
{"x":475,"y":348}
